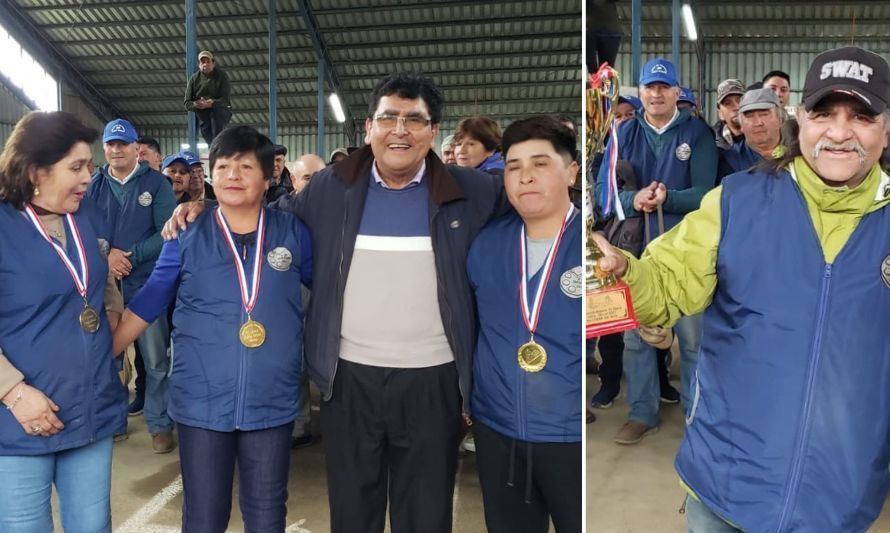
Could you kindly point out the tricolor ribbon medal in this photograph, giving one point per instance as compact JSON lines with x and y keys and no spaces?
{"x":252,"y":334}
{"x":89,"y":318}
{"x":532,"y":356}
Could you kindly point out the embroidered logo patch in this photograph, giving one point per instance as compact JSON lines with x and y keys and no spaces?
{"x":145,"y":199}
{"x":455,"y":224}
{"x":570,"y":282}
{"x":885,"y":271}
{"x":659,"y":68}
{"x":280,"y":258}
{"x":117,"y":128}
{"x":683,"y":152}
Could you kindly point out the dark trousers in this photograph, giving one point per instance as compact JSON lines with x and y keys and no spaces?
{"x":602,"y":48}
{"x":611,"y":348}
{"x":208,"y":466}
{"x":212,"y":121}
{"x":391,"y":432}
{"x":525,"y":485}
{"x":140,"y":373}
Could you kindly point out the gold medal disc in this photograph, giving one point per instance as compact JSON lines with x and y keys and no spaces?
{"x":532,"y":357}
{"x":252,"y":334}
{"x":89,"y":319}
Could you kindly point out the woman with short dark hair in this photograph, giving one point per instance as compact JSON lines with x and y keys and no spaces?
{"x":58,"y":382}
{"x":477,"y":144}
{"x":237,"y":335}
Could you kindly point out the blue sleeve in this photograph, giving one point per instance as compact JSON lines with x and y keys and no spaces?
{"x":305,"y":256}
{"x":626,"y":197}
{"x":154,"y":298}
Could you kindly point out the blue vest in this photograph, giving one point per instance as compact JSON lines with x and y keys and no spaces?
{"x":670,"y":168}
{"x":130,"y":222}
{"x":537,"y":407}
{"x":40,"y":334}
{"x":789,"y":426}
{"x":216,"y":383}
{"x":740,"y":157}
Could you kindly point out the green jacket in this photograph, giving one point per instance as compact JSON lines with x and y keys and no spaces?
{"x":676,"y":276}
{"x":216,"y":86}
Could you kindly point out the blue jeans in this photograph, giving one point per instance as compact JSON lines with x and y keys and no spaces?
{"x":153,"y":344}
{"x":641,"y":369}
{"x":208,"y":466}
{"x":82,"y":477}
{"x":700,"y":519}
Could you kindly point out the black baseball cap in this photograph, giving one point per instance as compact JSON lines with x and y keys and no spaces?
{"x":852,"y":71}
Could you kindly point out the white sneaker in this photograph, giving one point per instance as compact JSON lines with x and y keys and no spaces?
{"x":468,"y":444}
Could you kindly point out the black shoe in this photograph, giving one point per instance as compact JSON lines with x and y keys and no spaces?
{"x":669,"y":394}
{"x":135,"y":407}
{"x":304,"y":440}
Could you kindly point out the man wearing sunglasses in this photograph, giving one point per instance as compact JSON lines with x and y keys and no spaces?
{"x":390,"y":334}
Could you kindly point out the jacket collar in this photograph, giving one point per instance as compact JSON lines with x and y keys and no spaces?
{"x":443,"y":186}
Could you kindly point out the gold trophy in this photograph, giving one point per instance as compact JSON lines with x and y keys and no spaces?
{"x":608,"y":307}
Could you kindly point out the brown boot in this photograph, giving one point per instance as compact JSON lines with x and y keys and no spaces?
{"x":162,"y":442}
{"x":633,"y":432}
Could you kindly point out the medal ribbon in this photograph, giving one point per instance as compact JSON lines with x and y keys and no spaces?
{"x":531,"y":317}
{"x":248,"y":299}
{"x":81,"y":279}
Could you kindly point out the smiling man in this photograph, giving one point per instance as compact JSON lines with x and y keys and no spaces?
{"x":761,"y":117}
{"x":390,"y":333}
{"x":526,"y":411}
{"x":791,"y":268}
{"x":674,"y":158}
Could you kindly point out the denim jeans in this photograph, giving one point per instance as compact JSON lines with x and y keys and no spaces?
{"x":700,"y":519}
{"x":208,"y":461}
{"x":82,"y":477}
{"x":641,"y":369}
{"x":153,"y":344}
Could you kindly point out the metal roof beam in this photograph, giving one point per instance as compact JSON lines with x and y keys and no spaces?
{"x":29,"y":36}
{"x":17,"y":92}
{"x":321,"y":54}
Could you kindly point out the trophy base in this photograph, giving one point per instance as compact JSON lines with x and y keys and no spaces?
{"x":609,"y":310}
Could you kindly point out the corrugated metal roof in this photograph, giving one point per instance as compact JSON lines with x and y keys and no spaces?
{"x":500,"y":58}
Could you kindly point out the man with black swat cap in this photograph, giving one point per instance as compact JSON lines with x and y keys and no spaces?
{"x":791,"y":267}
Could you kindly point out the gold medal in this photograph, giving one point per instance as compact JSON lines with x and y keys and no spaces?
{"x":252,"y":334}
{"x":89,"y":319}
{"x":532,"y":357}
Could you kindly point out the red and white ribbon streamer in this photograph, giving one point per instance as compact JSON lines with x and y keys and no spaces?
{"x":82,"y":278}
{"x":247,"y":298}
{"x":531,"y":316}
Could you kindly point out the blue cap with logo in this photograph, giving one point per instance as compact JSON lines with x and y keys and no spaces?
{"x":686,"y":95}
{"x":632,"y":100}
{"x":119,"y":130}
{"x":659,"y":70}
{"x":170,"y":159}
{"x":191,"y":157}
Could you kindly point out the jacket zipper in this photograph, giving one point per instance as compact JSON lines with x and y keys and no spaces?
{"x":794,"y":479}
{"x":341,"y":289}
{"x":92,"y":390}
{"x":242,"y":363}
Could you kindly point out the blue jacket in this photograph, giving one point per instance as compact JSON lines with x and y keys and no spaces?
{"x":493,"y":164}
{"x":738,"y":158}
{"x":217,"y":383}
{"x":134,"y":223}
{"x":462,"y":201}
{"x":40,"y":334}
{"x":536,"y":407}
{"x":789,"y":427}
{"x":684,"y":158}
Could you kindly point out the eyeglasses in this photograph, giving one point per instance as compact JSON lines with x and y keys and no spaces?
{"x":410,"y":123}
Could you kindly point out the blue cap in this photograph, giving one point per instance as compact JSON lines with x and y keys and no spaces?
{"x":119,"y":130}
{"x":686,"y":95}
{"x":191,"y":158}
{"x":170,"y":159}
{"x":632,"y":100}
{"x":659,"y":70}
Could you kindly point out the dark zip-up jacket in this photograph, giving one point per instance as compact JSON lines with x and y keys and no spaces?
{"x":462,"y":201}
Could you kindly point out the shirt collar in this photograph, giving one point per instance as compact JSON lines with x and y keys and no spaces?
{"x":414,"y":181}
{"x":129,"y":176}
{"x":659,"y":131}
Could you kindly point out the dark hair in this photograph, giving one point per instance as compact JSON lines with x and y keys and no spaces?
{"x":567,"y":119}
{"x":280,"y":149}
{"x":241,"y":140}
{"x":152,"y":143}
{"x":779,"y":73}
{"x":39,"y":140}
{"x":409,"y":85}
{"x":543,"y":127}
{"x":482,"y":129}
